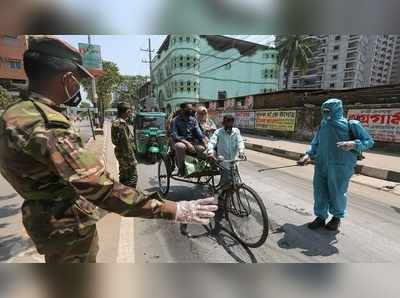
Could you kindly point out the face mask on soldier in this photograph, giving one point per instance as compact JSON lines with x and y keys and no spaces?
{"x":75,"y":98}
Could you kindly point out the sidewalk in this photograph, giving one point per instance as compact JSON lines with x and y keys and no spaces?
{"x":376,"y":165}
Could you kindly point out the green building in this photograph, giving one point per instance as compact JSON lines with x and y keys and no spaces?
{"x":200,"y":68}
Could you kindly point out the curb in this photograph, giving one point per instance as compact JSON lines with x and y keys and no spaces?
{"x":360,"y":169}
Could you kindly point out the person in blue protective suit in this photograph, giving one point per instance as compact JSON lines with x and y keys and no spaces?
{"x":335,"y":149}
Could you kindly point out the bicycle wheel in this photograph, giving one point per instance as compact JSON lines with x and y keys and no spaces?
{"x":164,"y":175}
{"x":247,"y":215}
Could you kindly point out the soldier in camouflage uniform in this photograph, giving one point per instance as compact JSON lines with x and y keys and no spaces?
{"x":61,"y":182}
{"x":123,"y":140}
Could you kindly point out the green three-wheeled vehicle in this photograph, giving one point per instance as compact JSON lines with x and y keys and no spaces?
{"x":150,"y":135}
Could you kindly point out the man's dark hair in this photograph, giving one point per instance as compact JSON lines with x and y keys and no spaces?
{"x":40,"y":67}
{"x":122,"y":108}
{"x":228,"y":118}
{"x":184,"y":105}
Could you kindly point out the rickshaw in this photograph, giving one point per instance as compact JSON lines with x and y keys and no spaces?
{"x":150,"y":135}
{"x":238,"y":203}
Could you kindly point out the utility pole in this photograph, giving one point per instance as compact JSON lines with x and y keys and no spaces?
{"x":150,"y":51}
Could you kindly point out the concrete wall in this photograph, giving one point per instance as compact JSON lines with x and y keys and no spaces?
{"x":308,"y":115}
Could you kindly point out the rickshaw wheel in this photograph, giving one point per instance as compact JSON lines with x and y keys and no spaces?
{"x":164,"y":175}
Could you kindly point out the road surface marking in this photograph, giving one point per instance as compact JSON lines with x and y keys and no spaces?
{"x":126,"y":247}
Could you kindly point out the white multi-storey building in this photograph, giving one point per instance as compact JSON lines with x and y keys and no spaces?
{"x":347,"y":61}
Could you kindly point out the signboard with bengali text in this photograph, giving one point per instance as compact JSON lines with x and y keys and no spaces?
{"x":276,"y":120}
{"x":382,"y":124}
{"x":242,"y":119}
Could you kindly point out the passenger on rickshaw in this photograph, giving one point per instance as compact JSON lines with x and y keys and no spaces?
{"x":207,"y":125}
{"x":187,"y":136}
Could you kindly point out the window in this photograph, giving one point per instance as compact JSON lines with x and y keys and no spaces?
{"x":188,"y":38}
{"x":296,"y":73}
{"x":332,"y":85}
{"x":323,"y":51}
{"x":182,"y":83}
{"x":15,"y":64}
{"x":221,"y":94}
{"x":337,"y":37}
{"x":188,"y":58}
{"x":334,"y":67}
{"x":272,"y":56}
{"x":228,"y":66}
{"x":187,"y":64}
{"x":265,"y":55}
{"x":180,"y":38}
{"x":336,"y":48}
{"x":335,"y":57}
{"x":294,"y":81}
{"x":188,"y":89}
{"x":181,"y":58}
{"x":188,"y":83}
{"x":181,"y":64}
{"x":333,"y":76}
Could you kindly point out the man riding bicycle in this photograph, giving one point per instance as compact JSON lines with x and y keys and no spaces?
{"x":187,"y":136}
{"x":226,"y":142}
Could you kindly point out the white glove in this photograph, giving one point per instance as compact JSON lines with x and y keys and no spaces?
{"x":196,"y":212}
{"x":346,"y":146}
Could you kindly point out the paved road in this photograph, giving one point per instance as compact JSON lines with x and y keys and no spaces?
{"x":370,"y":233}
{"x":84,"y":129}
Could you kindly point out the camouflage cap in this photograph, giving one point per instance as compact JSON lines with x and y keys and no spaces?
{"x":54,"y":47}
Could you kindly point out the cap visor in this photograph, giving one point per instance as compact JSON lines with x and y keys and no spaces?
{"x":84,"y":71}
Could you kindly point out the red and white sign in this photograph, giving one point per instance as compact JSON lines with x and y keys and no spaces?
{"x":382,"y":124}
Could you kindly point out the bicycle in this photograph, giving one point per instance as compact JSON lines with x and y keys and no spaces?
{"x":238,"y":203}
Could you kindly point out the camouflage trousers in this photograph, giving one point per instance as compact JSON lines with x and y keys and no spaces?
{"x":128,"y":174}
{"x":59,"y":241}
{"x":79,"y":247}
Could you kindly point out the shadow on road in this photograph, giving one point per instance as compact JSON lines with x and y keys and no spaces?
{"x":312,"y":243}
{"x":8,"y":197}
{"x":397,"y":209}
{"x":9,"y":210}
{"x":11,"y":246}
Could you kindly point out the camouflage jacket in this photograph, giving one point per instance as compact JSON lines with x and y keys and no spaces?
{"x":44,"y":159}
{"x":123,"y":140}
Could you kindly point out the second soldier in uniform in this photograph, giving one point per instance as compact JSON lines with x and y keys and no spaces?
{"x":122,"y":138}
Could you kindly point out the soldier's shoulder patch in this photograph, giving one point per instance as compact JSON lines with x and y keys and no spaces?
{"x":52,"y":117}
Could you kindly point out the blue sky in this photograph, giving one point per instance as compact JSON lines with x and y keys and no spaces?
{"x":125,"y":51}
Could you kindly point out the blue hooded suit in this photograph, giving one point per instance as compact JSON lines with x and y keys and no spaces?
{"x":334,"y":166}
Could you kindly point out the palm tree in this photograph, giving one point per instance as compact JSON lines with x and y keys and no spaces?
{"x":295,"y":51}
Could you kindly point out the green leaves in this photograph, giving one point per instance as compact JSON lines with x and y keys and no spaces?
{"x":295,"y":51}
{"x":128,"y":89}
{"x":105,"y":84}
{"x":5,"y":98}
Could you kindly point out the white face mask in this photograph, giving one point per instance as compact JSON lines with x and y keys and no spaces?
{"x":75,"y":99}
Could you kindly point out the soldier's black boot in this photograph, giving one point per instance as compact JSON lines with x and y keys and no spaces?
{"x":333,"y":224}
{"x":316,"y":224}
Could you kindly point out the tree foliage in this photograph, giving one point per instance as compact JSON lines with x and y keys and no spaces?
{"x":5,"y":98}
{"x":295,"y":51}
{"x":105,"y":84}
{"x":128,"y":89}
